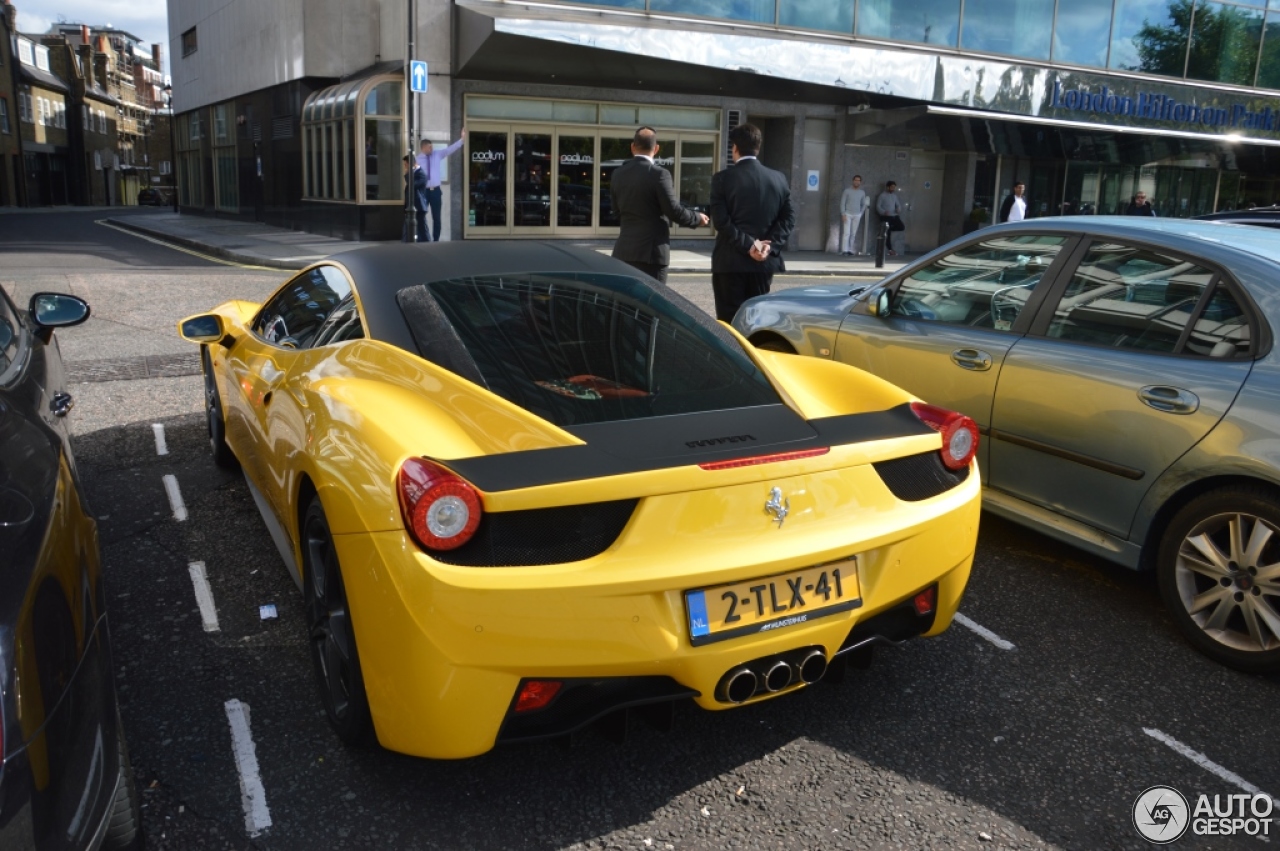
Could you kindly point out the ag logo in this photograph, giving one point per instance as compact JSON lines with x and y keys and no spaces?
{"x":1161,"y":815}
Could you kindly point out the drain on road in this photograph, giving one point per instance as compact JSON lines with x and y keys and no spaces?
{"x":129,"y":369}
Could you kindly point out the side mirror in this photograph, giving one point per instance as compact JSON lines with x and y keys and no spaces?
{"x":57,"y":310}
{"x":883,"y":304}
{"x":204,"y":328}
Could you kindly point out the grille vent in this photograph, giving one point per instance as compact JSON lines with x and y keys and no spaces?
{"x":282,"y":127}
{"x":541,"y":536}
{"x":918,"y":477}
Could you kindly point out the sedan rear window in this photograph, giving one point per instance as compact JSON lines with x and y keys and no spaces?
{"x":579,"y":348}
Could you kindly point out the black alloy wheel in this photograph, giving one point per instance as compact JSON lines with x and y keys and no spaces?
{"x":222,"y":454}
{"x":1219,"y":573}
{"x":330,"y":633}
{"x":124,"y":830}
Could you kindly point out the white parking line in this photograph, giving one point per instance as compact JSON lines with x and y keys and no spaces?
{"x":1207,"y":764}
{"x":204,"y":596}
{"x":175,"y":498}
{"x":253,"y":797}
{"x":162,"y":448}
{"x":984,"y":632}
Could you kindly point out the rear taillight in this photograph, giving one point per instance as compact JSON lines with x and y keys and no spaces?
{"x":959,"y":433}
{"x":441,"y":510}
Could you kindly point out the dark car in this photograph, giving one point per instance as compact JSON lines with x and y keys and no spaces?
{"x":65,"y":779}
{"x":1267,"y":217}
{"x":149,"y":197}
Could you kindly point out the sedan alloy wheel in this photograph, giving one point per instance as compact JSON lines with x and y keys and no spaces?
{"x":1221,"y":578}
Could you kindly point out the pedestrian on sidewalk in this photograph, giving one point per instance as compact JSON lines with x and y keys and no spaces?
{"x":1014,"y":208}
{"x":853,"y":201}
{"x":751,"y":209}
{"x":415,"y":188}
{"x":889,"y":207}
{"x":1140,"y":206}
{"x":432,"y":163}
{"x":645,"y":201}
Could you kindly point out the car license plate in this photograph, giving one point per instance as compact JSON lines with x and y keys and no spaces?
{"x":774,"y":602}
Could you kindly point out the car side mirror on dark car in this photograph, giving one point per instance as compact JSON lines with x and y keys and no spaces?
{"x":56,"y":310}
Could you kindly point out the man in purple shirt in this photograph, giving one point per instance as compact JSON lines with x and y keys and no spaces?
{"x":431,"y":162}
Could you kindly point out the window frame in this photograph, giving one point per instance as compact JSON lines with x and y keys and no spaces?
{"x":1030,"y":312}
{"x":1259,"y":337}
{"x":4,"y":116}
{"x":190,"y":42}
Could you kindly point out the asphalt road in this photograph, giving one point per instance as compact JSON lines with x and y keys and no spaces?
{"x":951,"y":743}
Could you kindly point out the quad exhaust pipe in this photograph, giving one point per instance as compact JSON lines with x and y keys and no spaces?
{"x":772,"y":674}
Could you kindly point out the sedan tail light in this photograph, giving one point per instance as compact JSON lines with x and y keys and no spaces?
{"x":441,"y":510}
{"x":959,"y":433}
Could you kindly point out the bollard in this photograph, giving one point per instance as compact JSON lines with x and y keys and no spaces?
{"x":882,"y":243}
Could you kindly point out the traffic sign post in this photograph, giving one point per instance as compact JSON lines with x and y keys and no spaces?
{"x":418,"y":76}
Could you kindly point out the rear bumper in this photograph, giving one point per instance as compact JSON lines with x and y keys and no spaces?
{"x":444,"y":649}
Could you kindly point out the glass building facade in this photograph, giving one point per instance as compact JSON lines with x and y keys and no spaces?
{"x":1236,"y":43}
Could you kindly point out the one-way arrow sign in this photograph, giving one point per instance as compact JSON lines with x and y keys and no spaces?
{"x":417,"y":76}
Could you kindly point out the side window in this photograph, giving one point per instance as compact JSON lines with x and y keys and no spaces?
{"x":294,"y":315}
{"x":1222,"y":329}
{"x":984,"y":284}
{"x":10,"y":334}
{"x":1135,"y":298}
{"x":342,"y":325}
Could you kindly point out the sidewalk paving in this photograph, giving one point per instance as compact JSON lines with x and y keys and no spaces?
{"x":256,"y":244}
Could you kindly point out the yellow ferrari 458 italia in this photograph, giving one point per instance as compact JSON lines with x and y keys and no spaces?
{"x":523,"y":487}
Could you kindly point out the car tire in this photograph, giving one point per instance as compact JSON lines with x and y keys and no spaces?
{"x":330,"y":632}
{"x":1218,"y":568}
{"x":773,"y":344}
{"x":124,"y":828}
{"x":214,"y":417}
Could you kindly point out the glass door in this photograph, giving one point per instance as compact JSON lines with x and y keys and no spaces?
{"x":531,"y":199}
{"x":614,"y":151}
{"x":486,"y":152}
{"x":575,"y":183}
{"x":695,"y":165}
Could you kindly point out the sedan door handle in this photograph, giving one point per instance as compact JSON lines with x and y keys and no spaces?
{"x":1171,"y":400}
{"x":61,"y":404}
{"x":973,"y":359}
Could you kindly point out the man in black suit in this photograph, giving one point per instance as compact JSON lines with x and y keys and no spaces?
{"x":415,"y":187}
{"x":751,"y":210}
{"x":646,"y":201}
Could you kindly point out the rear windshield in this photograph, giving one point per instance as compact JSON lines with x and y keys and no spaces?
{"x":579,"y":348}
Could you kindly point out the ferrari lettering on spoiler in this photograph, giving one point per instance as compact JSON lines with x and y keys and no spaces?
{"x":716,"y":441}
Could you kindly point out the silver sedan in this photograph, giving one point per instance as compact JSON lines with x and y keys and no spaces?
{"x":1124,"y":376}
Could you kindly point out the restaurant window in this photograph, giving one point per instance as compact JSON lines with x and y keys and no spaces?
{"x":1224,"y":43}
{"x":756,"y":11}
{"x":552,"y":173}
{"x":830,"y":15}
{"x":342,"y":120}
{"x":226,"y":182}
{"x":925,"y":21}
{"x":1009,"y":27}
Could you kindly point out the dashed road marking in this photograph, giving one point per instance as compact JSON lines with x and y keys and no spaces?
{"x":175,"y":498}
{"x":162,"y":448}
{"x":253,"y":797}
{"x":204,"y":596}
{"x":984,"y":632}
{"x":1206,"y":763}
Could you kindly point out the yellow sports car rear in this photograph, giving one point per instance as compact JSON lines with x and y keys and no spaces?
{"x":524,"y":488}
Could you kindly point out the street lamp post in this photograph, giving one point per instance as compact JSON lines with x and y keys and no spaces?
{"x":173,"y":150}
